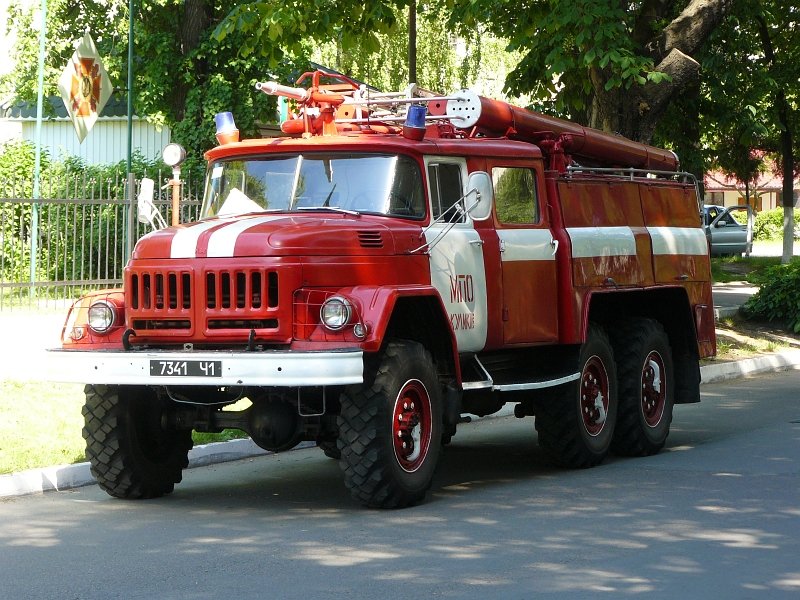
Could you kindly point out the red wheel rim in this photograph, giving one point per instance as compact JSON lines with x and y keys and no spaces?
{"x":411,"y":425}
{"x":654,"y":389}
{"x":594,"y":395}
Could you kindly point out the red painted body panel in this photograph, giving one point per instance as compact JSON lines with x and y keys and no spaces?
{"x":669,"y":206}
{"x":530,"y":304}
{"x":604,"y":203}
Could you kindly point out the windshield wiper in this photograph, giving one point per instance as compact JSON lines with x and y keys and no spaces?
{"x":335,"y":209}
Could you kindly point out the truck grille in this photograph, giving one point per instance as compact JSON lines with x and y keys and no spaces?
{"x":161,"y":290}
{"x":241,"y":289}
{"x":210,"y":303}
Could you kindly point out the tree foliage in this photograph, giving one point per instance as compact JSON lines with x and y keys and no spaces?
{"x":751,"y":101}
{"x":613,"y":66}
{"x":447,"y":59}
{"x":183,"y":75}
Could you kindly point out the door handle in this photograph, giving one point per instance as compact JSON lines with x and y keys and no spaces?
{"x":476,"y":242}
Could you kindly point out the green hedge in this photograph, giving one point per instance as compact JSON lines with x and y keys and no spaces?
{"x":778,"y":299}
{"x":769,"y":224}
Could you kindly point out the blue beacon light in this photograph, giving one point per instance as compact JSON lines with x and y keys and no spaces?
{"x":414,"y":127}
{"x":227,"y":131}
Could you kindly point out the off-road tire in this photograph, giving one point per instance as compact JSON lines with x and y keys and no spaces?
{"x":131,"y":454}
{"x":330,"y":449}
{"x":572,"y":432}
{"x":377,"y":473}
{"x":642,"y":351}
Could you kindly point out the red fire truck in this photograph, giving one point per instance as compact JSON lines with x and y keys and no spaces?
{"x":393,"y":264}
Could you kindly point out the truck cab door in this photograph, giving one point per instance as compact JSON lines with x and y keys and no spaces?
{"x":456,"y":253}
{"x":527,"y":256}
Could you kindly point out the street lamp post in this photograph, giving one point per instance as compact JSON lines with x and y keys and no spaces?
{"x":131,"y":180}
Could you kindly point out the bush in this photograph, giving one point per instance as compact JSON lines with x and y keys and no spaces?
{"x":769,"y":224}
{"x":778,"y":299}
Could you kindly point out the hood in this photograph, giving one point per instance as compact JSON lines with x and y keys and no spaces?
{"x":279,"y":235}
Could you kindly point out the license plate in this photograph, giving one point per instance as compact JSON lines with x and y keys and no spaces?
{"x":186,"y":368}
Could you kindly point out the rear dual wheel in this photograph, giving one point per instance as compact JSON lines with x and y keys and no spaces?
{"x":576,"y":426}
{"x":646,"y":387}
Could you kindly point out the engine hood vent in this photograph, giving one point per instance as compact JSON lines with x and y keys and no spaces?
{"x":370,"y":239}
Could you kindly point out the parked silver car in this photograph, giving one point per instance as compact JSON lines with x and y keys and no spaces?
{"x":729,"y":230}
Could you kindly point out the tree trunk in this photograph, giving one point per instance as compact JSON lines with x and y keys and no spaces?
{"x":412,"y":42}
{"x":787,"y":157}
{"x":196,"y":18}
{"x":672,"y":54}
{"x":788,"y":178}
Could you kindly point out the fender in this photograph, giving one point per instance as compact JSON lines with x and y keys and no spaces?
{"x":377,"y":306}
{"x":76,"y":334}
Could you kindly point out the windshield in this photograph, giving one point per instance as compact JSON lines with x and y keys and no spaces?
{"x":363,"y":183}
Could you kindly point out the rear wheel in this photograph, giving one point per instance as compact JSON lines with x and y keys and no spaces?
{"x":132,"y":454}
{"x":646,"y":391}
{"x":390,"y":428}
{"x":576,"y":425}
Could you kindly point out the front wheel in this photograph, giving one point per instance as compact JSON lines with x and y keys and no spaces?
{"x":390,"y":428}
{"x":646,"y":390}
{"x":132,"y":453}
{"x":576,"y":425}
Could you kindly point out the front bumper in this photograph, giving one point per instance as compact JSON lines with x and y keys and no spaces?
{"x":267,"y":368}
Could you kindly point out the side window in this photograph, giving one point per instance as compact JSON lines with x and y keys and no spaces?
{"x":446,"y":190}
{"x":515,"y":195}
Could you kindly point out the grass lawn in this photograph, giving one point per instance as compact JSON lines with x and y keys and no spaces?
{"x":738,"y":268}
{"x":40,"y":425}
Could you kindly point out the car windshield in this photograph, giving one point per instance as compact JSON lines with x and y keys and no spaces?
{"x":363,"y":183}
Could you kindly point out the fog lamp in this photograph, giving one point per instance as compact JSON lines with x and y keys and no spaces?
{"x":335,"y":312}
{"x":102,"y":316}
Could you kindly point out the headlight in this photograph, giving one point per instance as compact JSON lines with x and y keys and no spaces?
{"x":102,"y":316}
{"x":335,"y":312}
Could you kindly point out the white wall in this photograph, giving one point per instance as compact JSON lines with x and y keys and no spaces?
{"x":107,"y":142}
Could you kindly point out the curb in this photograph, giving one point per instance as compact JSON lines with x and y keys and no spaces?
{"x":725,"y":312}
{"x":66,"y":477}
{"x":779,"y":361}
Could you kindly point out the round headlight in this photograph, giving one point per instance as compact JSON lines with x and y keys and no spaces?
{"x":335,"y":312}
{"x":102,"y":315}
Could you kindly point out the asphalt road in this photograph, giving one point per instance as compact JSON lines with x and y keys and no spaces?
{"x":717,"y":515}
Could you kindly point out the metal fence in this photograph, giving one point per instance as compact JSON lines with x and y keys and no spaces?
{"x":75,"y":238}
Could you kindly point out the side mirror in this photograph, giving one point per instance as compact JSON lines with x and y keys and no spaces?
{"x":479,"y":195}
{"x":145,"y":208}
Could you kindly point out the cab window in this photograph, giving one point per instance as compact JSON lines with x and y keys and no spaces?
{"x":446,"y":191}
{"x":516,"y":202}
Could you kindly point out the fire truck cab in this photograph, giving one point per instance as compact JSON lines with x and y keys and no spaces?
{"x":394,"y":264}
